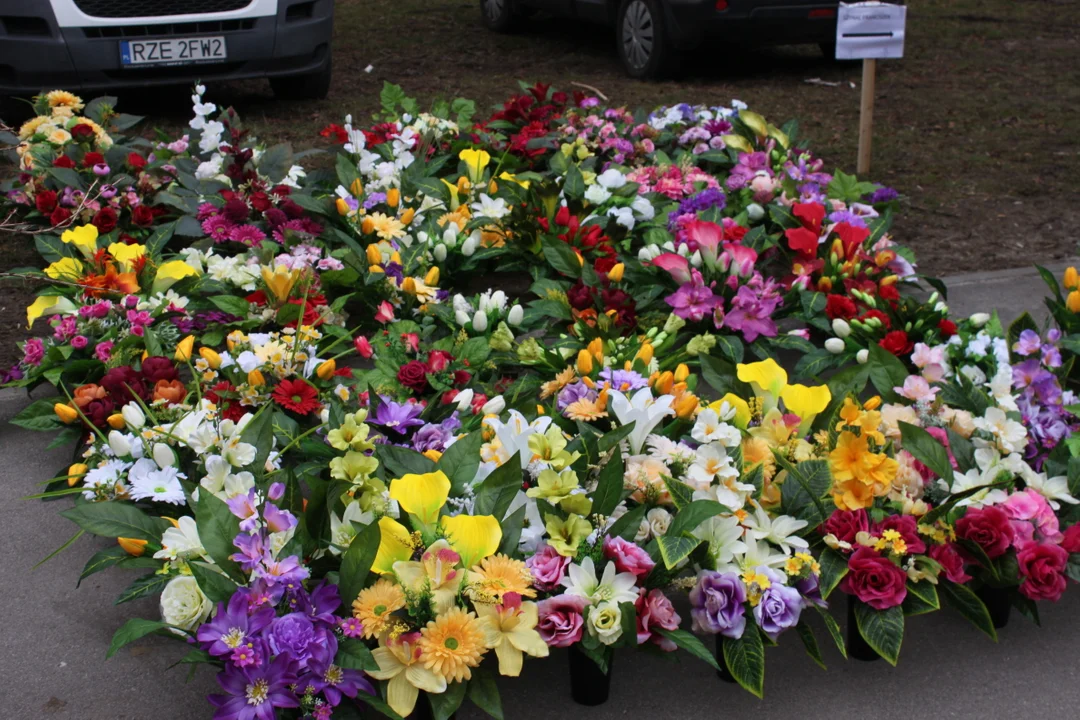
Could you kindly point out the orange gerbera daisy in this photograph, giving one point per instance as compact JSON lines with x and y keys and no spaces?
{"x":452,"y":644}
{"x":497,"y":575}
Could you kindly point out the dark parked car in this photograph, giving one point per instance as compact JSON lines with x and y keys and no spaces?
{"x":98,"y":44}
{"x":651,"y":32}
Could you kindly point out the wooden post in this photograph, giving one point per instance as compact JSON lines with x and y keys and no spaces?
{"x":866,"y":114}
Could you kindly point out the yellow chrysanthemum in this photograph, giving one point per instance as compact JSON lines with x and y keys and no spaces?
{"x":452,"y":644}
{"x":62,"y":98}
{"x":497,"y":575}
{"x":374,"y":605}
{"x":386,"y":227}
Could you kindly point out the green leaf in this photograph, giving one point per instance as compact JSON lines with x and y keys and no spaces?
{"x":356,"y":563}
{"x":968,"y":604}
{"x":922,"y":598}
{"x":691,"y":644}
{"x":116,"y":519}
{"x":745,"y":660}
{"x":926,"y":448}
{"x":446,"y":704}
{"x":803,"y":497}
{"x":353,"y":654}
{"x":834,"y":629}
{"x":275,"y":162}
{"x":626,"y":526}
{"x":231,"y":304}
{"x":609,"y":486}
{"x":812,"y":365}
{"x":67,"y":177}
{"x":38,"y":415}
{"x":484,"y":693}
{"x":511,"y":528}
{"x":400,"y":461}
{"x":833,"y":569}
{"x":886,"y":371}
{"x":217,"y":529}
{"x":562,"y":257}
{"x":573,"y":182}
{"x":721,"y":376}
{"x":146,"y":585}
{"x":379,"y":705}
{"x":883,"y":630}
{"x":214,"y":585}
{"x":689,"y":517}
{"x":676,"y":548}
{"x":731,"y":348}
{"x":132,"y":630}
{"x":461,"y":460}
{"x":616,"y":436}
{"x":681,"y":493}
{"x":806,"y":634}
{"x":498,"y":489}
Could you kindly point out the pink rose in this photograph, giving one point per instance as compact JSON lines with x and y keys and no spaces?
{"x":561,"y":619}
{"x":547,"y":567}
{"x":628,"y":557}
{"x":989,"y":528}
{"x":1042,"y":566}
{"x":951,"y":562}
{"x":1071,"y":540}
{"x":874,"y":579}
{"x":1029,"y":511}
{"x":654,"y":610}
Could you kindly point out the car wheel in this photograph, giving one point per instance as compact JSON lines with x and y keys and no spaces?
{"x":643,"y":44}
{"x":313,"y":86}
{"x":499,"y":15}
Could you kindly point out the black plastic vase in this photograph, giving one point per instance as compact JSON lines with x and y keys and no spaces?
{"x":589,"y":685}
{"x":723,"y":673}
{"x":997,"y":604}
{"x":857,"y":647}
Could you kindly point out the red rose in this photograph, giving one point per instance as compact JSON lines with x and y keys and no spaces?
{"x":293,"y":210}
{"x":987,"y":527}
{"x":462,"y":377}
{"x":1042,"y":565}
{"x":236,"y":210}
{"x":158,"y":368}
{"x":896,"y":342}
{"x":437,"y":360}
{"x":846,"y":524}
{"x":104,"y":220}
{"x":1071,"y":541}
{"x":908,"y":529}
{"x":875,"y":580}
{"x":413,"y":375}
{"x":951,"y":562}
{"x":604,"y":265}
{"x":59,"y":215}
{"x":136,"y":161}
{"x":839,"y":306}
{"x":142,"y":216}
{"x":82,"y":132}
{"x":947,"y":328}
{"x":260,"y":201}
{"x":120,"y":382}
{"x":889,"y":292}
{"x":91,"y":159}
{"x":64,"y":161}
{"x":580,"y":296}
{"x":45,"y":201}
{"x":98,"y":411}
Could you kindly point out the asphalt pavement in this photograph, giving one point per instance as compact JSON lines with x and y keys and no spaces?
{"x":54,"y":635}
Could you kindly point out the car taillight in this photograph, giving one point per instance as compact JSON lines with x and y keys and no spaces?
{"x":823,"y":13}
{"x":721,"y":5}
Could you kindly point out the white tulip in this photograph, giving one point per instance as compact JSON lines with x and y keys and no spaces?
{"x":133,"y":416}
{"x":862,"y":356}
{"x":840,"y":327}
{"x":980,"y":319}
{"x":684,"y":250}
{"x":755,"y":212}
{"x":479,"y":321}
{"x":164,"y":455}
{"x":517,"y":314}
{"x":440,"y":253}
{"x":461,"y":317}
{"x":695,"y":259}
{"x":834,"y":345}
{"x":494,"y":406}
{"x":464,"y":399}
{"x":119,"y":444}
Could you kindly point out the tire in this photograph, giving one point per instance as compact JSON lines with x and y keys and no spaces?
{"x":313,"y":86}
{"x":643,"y":45}
{"x":500,"y":15}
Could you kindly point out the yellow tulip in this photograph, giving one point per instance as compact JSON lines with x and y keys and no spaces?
{"x":393,"y":197}
{"x":326,"y":369}
{"x":342,"y":206}
{"x":168,"y":274}
{"x":686,"y":406}
{"x":367,"y":226}
{"x":584,"y":362}
{"x":132,"y":546}
{"x":83,"y":237}
{"x":408,"y":285}
{"x":280,"y":281}
{"x":596,"y":349}
{"x":116,"y":421}
{"x":1073,"y":301}
{"x":682,"y":371}
{"x":212,"y":358}
{"x":421,"y":495}
{"x":432,"y":455}
{"x":473,"y":537}
{"x":356,"y":188}
{"x":66,"y":413}
{"x":65,"y":268}
{"x":1072,"y":279}
{"x":475,"y":161}
{"x":873,"y":403}
{"x":407,"y":216}
{"x":374,"y":254}
{"x":76,"y":472}
{"x":255,"y":378}
{"x":493,"y":187}
{"x":184,"y":348}
{"x":432,"y":276}
{"x":645,"y":353}
{"x":616,"y":272}
{"x":766,"y":377}
{"x":664,"y":382}
{"x":395,"y":545}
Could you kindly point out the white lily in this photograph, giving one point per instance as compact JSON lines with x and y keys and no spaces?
{"x":779,"y":530}
{"x":642,"y":409}
{"x":613,"y":587}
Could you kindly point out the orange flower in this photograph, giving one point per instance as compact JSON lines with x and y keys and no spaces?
{"x":171,"y":391}
{"x":86,"y":394}
{"x":112,"y":282}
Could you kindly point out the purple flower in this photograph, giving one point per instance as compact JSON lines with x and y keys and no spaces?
{"x":810,"y":589}
{"x":779,"y":607}
{"x":1028,"y":344}
{"x":247,"y":235}
{"x":431,"y":437}
{"x":251,"y":550}
{"x":278,"y":520}
{"x":245,"y":507}
{"x":331,"y":680}
{"x":752,"y":308}
{"x":572,"y":393}
{"x":694,"y":300}
{"x":351,"y":627}
{"x":283,"y":571}
{"x":252,"y":693}
{"x":882,"y":195}
{"x":397,"y":416}
{"x":623,"y":380}
{"x":717,"y":604}
{"x":295,"y":635}
{"x":319,"y":604}
{"x":232,"y":626}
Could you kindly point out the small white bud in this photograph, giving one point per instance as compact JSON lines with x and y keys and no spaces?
{"x":440,"y":253}
{"x":461,"y":317}
{"x":834,"y":345}
{"x":980,"y":319}
{"x":862,"y":356}
{"x":464,"y":399}
{"x":755,"y":212}
{"x":119,"y":444}
{"x":517,"y":314}
{"x":840,"y":327}
{"x":133,"y":416}
{"x":494,"y":406}
{"x":479,"y":321}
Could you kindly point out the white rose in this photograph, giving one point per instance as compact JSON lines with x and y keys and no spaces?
{"x":183,"y":603}
{"x":644,"y":532}
{"x":980,"y":319}
{"x":605,"y":622}
{"x":659,"y":521}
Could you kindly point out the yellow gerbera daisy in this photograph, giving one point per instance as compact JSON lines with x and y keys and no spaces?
{"x":561,"y":380}
{"x":31,"y":126}
{"x":386,"y":227}
{"x":62,"y":98}
{"x":374,"y":605}
{"x":452,"y":644}
{"x":497,"y":575}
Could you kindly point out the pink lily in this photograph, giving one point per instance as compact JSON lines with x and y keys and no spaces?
{"x":677,"y":265}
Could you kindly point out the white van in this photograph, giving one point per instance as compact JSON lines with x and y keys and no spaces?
{"x":83,"y":45}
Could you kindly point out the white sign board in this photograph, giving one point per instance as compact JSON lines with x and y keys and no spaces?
{"x":870,"y":30}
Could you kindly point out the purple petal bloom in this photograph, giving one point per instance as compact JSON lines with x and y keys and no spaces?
{"x":779,"y":607}
{"x":572,"y":393}
{"x":294,"y":635}
{"x":278,"y":520}
{"x":282,"y":571}
{"x":232,"y":626}
{"x":333,"y":681}
{"x":752,"y":308}
{"x":810,"y":589}
{"x":694,"y":300}
{"x":1028,"y":344}
{"x":397,"y":416}
{"x":252,"y":693}
{"x":251,"y":552}
{"x":717,"y":604}
{"x":623,"y":380}
{"x":245,"y":507}
{"x":431,"y":437}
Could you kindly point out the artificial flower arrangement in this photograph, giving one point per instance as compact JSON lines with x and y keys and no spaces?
{"x":351,"y":476}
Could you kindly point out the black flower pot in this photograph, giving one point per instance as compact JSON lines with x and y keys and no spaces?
{"x":857,"y":647}
{"x":997,"y":603}
{"x":723,"y":673}
{"x":589,"y":685}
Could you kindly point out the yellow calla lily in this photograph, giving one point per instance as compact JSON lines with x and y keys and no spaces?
{"x":806,"y":402}
{"x":395,"y":545}
{"x":66,"y":267}
{"x":766,"y":377}
{"x":168,"y":274}
{"x":48,"y":305}
{"x":742,"y":409}
{"x":127,"y":254}
{"x":83,"y":237}
{"x":454,"y":200}
{"x":422,"y":495}
{"x":474,"y":537}
{"x":476,"y":161}
{"x":513,"y":178}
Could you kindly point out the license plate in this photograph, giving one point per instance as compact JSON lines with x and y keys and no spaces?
{"x":172,"y":51}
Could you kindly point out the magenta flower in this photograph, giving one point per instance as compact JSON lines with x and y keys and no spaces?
{"x":752,"y":308}
{"x":217,"y":227}
{"x":694,"y":300}
{"x":247,"y":235}
{"x":677,"y":265}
